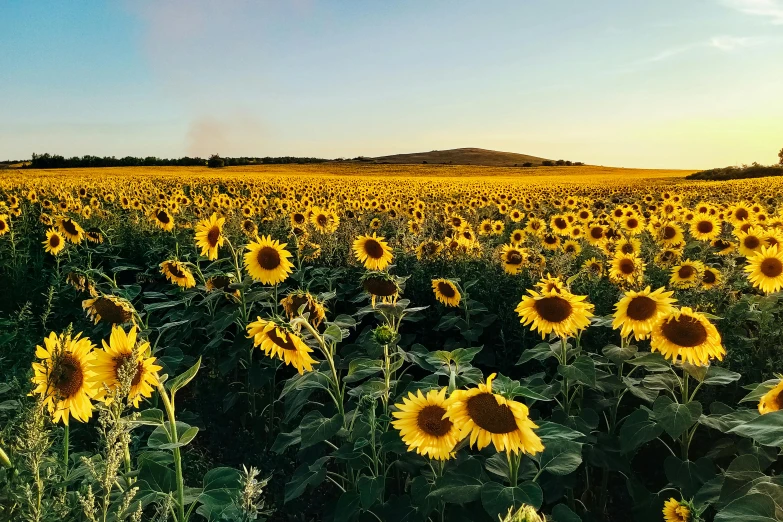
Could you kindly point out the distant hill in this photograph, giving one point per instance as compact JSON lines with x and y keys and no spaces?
{"x":466,"y":156}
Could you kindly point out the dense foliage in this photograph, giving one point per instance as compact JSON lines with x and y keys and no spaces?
{"x":388,"y":348}
{"x":744,"y":172}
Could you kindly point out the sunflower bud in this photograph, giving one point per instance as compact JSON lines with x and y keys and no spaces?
{"x":383,"y":334}
{"x":524,"y":514}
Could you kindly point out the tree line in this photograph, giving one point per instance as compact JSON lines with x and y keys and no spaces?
{"x":55,"y":161}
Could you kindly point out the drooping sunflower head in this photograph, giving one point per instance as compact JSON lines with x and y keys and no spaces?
{"x":178,"y":273}
{"x":72,"y":231}
{"x":636,"y":313}
{"x":446,"y":292}
{"x":209,"y":236}
{"x":428,"y":249}
{"x":423,"y":426}
{"x":109,"y":308}
{"x":687,"y":274}
{"x":162,"y":219}
{"x":550,"y":283}
{"x":772,"y":400}
{"x":125,"y":367}
{"x":94,"y":235}
{"x":63,"y":376}
{"x":301,"y":299}
{"x":594,"y":268}
{"x":687,"y":336}
{"x":278,"y":341}
{"x":4,"y":224}
{"x":560,"y":312}
{"x":676,"y":511}
{"x":710,"y":278}
{"x":267,"y":261}
{"x":489,"y":418}
{"x":373,"y":252}
{"x":765,"y":269}
{"x":381,"y":285}
{"x":54,"y":242}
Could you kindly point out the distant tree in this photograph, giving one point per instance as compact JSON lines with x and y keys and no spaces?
{"x":560,"y":162}
{"x":527,"y":164}
{"x":578,"y":163}
{"x":568,"y":163}
{"x":547,"y":163}
{"x":780,"y":155}
{"x":215,"y":162}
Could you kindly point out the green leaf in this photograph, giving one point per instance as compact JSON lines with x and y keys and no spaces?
{"x":370,"y":489}
{"x":676,"y":418}
{"x":334,"y":332}
{"x":316,"y":428}
{"x":221,"y":488}
{"x":539,"y":352}
{"x":619,"y":355}
{"x":181,"y":380}
{"x":582,"y":370}
{"x":755,"y":507}
{"x":461,"y":485}
{"x":284,"y":440}
{"x":344,"y":321}
{"x":149,"y":417}
{"x":652,"y":361}
{"x":638,"y":429}
{"x":305,"y":475}
{"x":552,"y":431}
{"x":497,"y":464}
{"x":562,"y":513}
{"x":646,"y":394}
{"x":465,"y":355}
{"x":347,"y":506}
{"x":717,"y":375}
{"x":688,"y":476}
{"x":497,"y":499}
{"x":765,"y":429}
{"x":361,"y":368}
{"x":155,"y":477}
{"x":760,"y":390}
{"x":561,"y":457}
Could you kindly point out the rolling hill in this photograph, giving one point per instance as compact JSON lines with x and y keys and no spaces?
{"x":465,"y":156}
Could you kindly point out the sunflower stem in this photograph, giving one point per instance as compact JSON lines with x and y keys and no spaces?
{"x":174,"y":438}
{"x":514,"y":461}
{"x":66,"y":447}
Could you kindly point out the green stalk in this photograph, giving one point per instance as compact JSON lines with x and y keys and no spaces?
{"x":66,"y":447}
{"x":4,"y":460}
{"x":174,"y":438}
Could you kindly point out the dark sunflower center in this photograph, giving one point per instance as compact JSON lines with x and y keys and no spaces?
{"x":641,"y":308}
{"x":771,"y":267}
{"x":69,"y":226}
{"x":627,"y":266}
{"x":550,"y":240}
{"x":299,"y":218}
{"x":430,"y":420}
{"x":379,"y":287}
{"x":686,"y":331}
{"x":213,"y":236}
{"x":553,"y":309}
{"x":322,"y":220}
{"x":485,"y":411}
{"x":446,"y":290}
{"x":570,"y":248}
{"x":163,"y":217}
{"x":249,"y":226}
{"x":122,"y":360}
{"x":669,"y":232}
{"x":709,"y":277}
{"x":176,"y":271}
{"x":268,"y":258}
{"x":2,"y":224}
{"x":595,"y":268}
{"x":686,"y":272}
{"x":514,"y":258}
{"x":597,"y":232}
{"x":373,"y":249}
{"x":720,"y":244}
{"x":285,"y":344}
{"x":751,"y":242}
{"x":220,"y":282}
{"x":111,"y":312}
{"x":627,"y":248}
{"x":705,"y":227}
{"x":54,"y":241}
{"x":741,"y":214}
{"x":67,"y":376}
{"x":560,"y":223}
{"x":632,"y":223}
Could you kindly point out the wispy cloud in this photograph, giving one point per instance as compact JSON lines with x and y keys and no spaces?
{"x":770,"y":9}
{"x":723,"y":43}
{"x":730,"y":43}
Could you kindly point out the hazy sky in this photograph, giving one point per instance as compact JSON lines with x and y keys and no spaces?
{"x":636,"y":83}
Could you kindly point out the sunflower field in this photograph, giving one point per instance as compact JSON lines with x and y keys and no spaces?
{"x":389,"y":343}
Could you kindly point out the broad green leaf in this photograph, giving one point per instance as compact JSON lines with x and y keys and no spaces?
{"x":676,"y":418}
{"x":370,"y":489}
{"x":316,"y":428}
{"x":221,"y":488}
{"x":582,"y":370}
{"x":497,"y":499}
{"x":539,"y":352}
{"x":756,"y":507}
{"x":765,"y":429}
{"x":688,"y":476}
{"x":618,"y":354}
{"x":562,"y":513}
{"x":181,"y":380}
{"x":305,"y":475}
{"x":759,"y":390}
{"x":347,"y":506}
{"x":361,"y":368}
{"x":461,"y":485}
{"x":561,"y":457}
{"x":284,"y":440}
{"x":638,"y":429}
{"x":717,"y":375}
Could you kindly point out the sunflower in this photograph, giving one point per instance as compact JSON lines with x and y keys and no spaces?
{"x":178,"y":273}
{"x":525,"y":513}
{"x":550,"y":241}
{"x":686,"y":335}
{"x":109,"y":308}
{"x":54,"y":242}
{"x":765,"y":269}
{"x":749,"y":241}
{"x":557,"y":311}
{"x":513,"y":259}
{"x":446,"y":292}
{"x":71,"y":230}
{"x":772,"y":400}
{"x":249,"y":228}
{"x":637,"y":312}
{"x":423,"y":427}
{"x":4,"y":226}
{"x":675,"y":511}
{"x":687,"y":274}
{"x":626,"y":268}
{"x":373,"y":252}
{"x":163,"y":219}
{"x":670,"y":234}
{"x":491,"y":418}
{"x":209,"y":236}
{"x":705,"y":228}
{"x":300,"y":298}
{"x":571,"y":248}
{"x":723,"y":247}
{"x":517,"y":237}
{"x":594,"y":268}
{"x":428,"y":249}
{"x":551,"y":284}
{"x":63,"y":376}
{"x":277,"y":341}
{"x":124,"y":354}
{"x":710,"y":278}
{"x":94,"y":235}
{"x":381,"y":285}
{"x":267,"y":261}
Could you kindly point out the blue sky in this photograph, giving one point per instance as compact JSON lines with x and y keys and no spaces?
{"x":665,"y":83}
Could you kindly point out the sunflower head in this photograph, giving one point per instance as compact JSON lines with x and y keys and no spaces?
{"x":423,"y":425}
{"x":557,"y":311}
{"x":765,"y":269}
{"x":267,"y":261}
{"x":446,"y":291}
{"x":373,"y":252}
{"x":636,"y":313}
{"x":676,"y":511}
{"x":109,"y":308}
{"x":277,"y":340}
{"x":688,"y":336}
{"x":524,"y":513}
{"x":178,"y":273}
{"x":209,"y":236}
{"x":772,"y":400}
{"x":307,"y":303}
{"x":381,"y":285}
